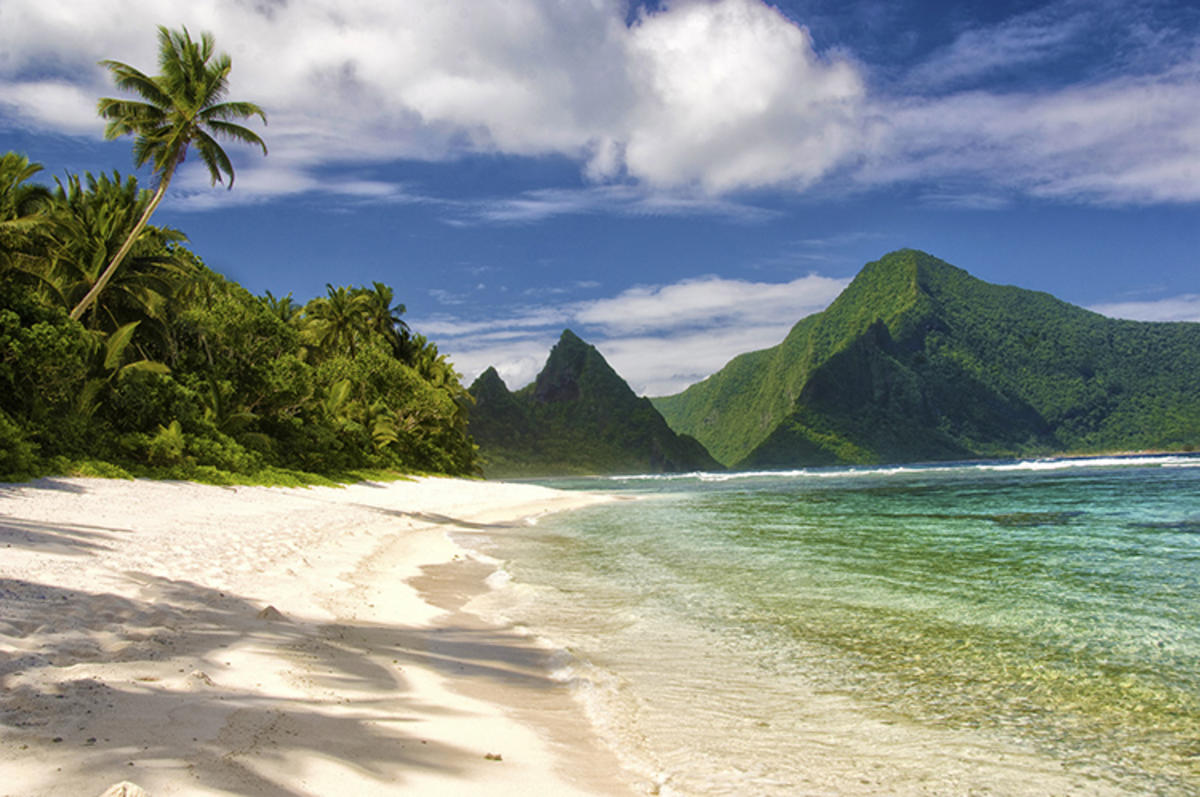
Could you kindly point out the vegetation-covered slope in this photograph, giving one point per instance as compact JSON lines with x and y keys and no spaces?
{"x":175,"y":371}
{"x":579,"y":417}
{"x":120,"y":352}
{"x":918,"y":360}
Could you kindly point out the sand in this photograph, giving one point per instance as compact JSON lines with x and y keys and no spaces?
{"x":205,"y":640}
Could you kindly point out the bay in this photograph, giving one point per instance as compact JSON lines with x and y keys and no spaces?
{"x":994,"y":628}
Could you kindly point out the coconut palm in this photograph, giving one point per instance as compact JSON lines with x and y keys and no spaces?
{"x":284,"y":308}
{"x":336,"y":322}
{"x":383,"y":317}
{"x":23,"y":216}
{"x":93,"y":216}
{"x":184,"y":105}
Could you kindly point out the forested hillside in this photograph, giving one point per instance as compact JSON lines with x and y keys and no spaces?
{"x":579,"y":417}
{"x":120,"y":352}
{"x":177,"y":371}
{"x":919,"y":360}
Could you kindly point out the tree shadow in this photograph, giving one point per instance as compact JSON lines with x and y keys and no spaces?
{"x":180,"y":632}
{"x":433,"y":518}
{"x":46,"y":483}
{"x":71,"y":539}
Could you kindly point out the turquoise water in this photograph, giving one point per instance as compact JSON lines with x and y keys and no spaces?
{"x":1007,"y":628}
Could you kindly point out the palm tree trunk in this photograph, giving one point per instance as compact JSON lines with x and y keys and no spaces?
{"x":111,"y":268}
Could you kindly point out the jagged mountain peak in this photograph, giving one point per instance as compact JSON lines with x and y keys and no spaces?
{"x":573,"y":368}
{"x":578,"y":416}
{"x":489,"y":382}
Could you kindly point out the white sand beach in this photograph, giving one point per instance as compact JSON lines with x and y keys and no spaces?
{"x":210,"y":640}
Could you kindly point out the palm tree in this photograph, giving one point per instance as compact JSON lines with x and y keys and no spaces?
{"x":23,"y":215}
{"x":93,"y":217}
{"x":383,"y":318}
{"x":284,"y":308}
{"x":336,"y":322}
{"x":184,"y":105}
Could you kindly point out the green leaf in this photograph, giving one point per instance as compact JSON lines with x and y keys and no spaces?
{"x":116,"y":344}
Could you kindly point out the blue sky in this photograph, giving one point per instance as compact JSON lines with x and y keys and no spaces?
{"x":677,"y":181}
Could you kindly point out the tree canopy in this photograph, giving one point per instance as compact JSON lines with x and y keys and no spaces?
{"x":181,"y":372}
{"x":122,"y":353}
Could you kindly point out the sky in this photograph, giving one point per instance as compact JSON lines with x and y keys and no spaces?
{"x":676,"y":181}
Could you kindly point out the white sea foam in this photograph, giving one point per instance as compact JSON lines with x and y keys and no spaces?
{"x":1036,"y":464}
{"x":1089,"y":462}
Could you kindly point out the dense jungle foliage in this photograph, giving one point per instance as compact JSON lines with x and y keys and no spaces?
{"x":918,"y":360}
{"x":175,"y":371}
{"x":577,"y":417}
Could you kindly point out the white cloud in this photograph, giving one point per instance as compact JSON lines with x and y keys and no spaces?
{"x":1040,"y":35}
{"x":662,"y":365}
{"x":1127,"y":140}
{"x":529,"y":318}
{"x":1185,"y":307}
{"x":659,"y":338}
{"x":718,"y":94}
{"x":257,"y":183}
{"x":517,"y":360}
{"x":708,"y":301}
{"x":696,"y":99}
{"x":625,"y":200}
{"x":732,"y":95}
{"x":51,"y":104}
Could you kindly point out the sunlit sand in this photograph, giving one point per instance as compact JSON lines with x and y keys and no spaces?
{"x":212,"y":640}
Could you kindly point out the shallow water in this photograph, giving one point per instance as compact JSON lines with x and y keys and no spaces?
{"x":1007,"y":628}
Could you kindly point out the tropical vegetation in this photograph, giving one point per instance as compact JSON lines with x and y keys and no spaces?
{"x":184,"y":105}
{"x":121,"y":353}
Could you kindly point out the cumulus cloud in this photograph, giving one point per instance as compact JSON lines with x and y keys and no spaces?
{"x":733,"y":95}
{"x":691,"y":100}
{"x":659,"y":338}
{"x":716,"y":95}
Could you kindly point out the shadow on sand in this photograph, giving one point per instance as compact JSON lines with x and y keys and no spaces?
{"x":185,"y":629}
{"x":60,"y":538}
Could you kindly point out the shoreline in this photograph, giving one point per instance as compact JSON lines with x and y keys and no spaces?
{"x":197,"y":639}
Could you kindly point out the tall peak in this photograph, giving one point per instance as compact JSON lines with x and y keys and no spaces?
{"x":572,"y":362}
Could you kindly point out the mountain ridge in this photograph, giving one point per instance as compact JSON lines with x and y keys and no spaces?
{"x":577,"y":417}
{"x":917,"y":359}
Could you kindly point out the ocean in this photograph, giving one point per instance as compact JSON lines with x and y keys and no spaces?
{"x":978,"y":628}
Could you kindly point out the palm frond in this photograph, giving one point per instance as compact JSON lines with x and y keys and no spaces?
{"x":114,"y":347}
{"x":133,"y":80}
{"x":235,"y":132}
{"x":172,"y":54}
{"x":133,"y":114}
{"x":215,"y":83}
{"x":232,"y":110}
{"x":144,"y":149}
{"x":214,"y":158}
{"x":185,"y":98}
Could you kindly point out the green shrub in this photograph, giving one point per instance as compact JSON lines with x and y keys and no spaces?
{"x":166,"y":447}
{"x":18,"y":456}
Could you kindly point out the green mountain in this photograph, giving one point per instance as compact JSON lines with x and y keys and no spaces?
{"x":918,"y":360}
{"x":577,"y":417}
